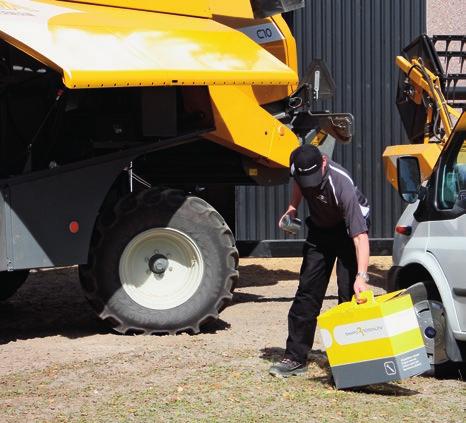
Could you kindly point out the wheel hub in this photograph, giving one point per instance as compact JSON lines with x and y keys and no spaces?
{"x":161,"y":268}
{"x":158,"y":264}
{"x":432,"y":322}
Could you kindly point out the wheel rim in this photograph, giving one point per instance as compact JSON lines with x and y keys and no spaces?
{"x":161,"y":268}
{"x":432,"y":322}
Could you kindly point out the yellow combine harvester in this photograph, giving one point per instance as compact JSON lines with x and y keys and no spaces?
{"x":431,"y":94}
{"x":115,"y":114}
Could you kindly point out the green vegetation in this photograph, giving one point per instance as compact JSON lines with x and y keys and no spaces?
{"x":236,"y":390}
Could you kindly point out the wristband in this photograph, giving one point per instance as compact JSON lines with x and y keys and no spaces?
{"x":363,"y":275}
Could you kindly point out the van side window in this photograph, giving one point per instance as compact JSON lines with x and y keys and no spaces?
{"x":452,"y":182}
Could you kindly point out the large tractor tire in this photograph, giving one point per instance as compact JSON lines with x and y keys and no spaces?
{"x":160,"y":262}
{"x":10,"y":282}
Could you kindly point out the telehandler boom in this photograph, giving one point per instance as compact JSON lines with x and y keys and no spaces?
{"x":431,"y":95}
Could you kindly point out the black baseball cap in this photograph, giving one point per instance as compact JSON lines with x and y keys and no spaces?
{"x":306,"y":166}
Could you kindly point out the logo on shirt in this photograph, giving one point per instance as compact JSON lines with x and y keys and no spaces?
{"x":322,"y":199}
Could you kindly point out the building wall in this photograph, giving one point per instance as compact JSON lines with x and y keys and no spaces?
{"x":446,"y":17}
{"x":359,"y":40}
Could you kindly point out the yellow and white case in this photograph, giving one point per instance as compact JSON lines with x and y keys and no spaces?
{"x":374,"y":342}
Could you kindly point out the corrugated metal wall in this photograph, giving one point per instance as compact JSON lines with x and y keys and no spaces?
{"x":359,"y":40}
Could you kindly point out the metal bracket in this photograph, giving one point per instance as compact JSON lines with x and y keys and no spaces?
{"x":338,"y":125}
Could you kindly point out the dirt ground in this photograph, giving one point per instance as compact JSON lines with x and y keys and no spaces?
{"x":58,"y":362}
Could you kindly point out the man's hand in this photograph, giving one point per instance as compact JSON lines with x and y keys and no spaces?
{"x":361,"y":244}
{"x":296,"y":198}
{"x":359,"y":286}
{"x":290,"y":212}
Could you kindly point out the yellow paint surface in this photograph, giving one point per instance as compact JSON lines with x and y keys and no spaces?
{"x":96,"y":46}
{"x":200,"y":8}
{"x":241,"y":124}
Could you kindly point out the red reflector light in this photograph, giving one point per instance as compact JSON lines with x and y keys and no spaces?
{"x":403,"y":230}
{"x":74,"y":227}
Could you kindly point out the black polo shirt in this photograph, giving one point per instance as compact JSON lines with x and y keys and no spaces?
{"x":337,"y":200}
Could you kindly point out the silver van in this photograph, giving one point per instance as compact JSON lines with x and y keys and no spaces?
{"x":429,"y":250}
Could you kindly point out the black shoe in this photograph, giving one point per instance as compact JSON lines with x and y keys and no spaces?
{"x":287,"y":367}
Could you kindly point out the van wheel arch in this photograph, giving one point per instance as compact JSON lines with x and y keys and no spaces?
{"x":414,"y":273}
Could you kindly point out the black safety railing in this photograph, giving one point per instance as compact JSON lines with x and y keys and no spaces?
{"x":451,"y":53}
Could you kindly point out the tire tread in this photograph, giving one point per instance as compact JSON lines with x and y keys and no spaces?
{"x":166,"y":198}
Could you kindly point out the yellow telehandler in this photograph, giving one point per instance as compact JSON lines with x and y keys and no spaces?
{"x":114,"y":114}
{"x":431,"y":98}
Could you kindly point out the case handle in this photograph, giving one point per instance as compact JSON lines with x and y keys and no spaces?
{"x":366,"y":296}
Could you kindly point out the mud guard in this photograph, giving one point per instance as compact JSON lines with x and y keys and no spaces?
{"x":48,"y":217}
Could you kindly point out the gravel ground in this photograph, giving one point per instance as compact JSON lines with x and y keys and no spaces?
{"x":58,"y":362}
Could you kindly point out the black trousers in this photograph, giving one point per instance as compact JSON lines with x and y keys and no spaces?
{"x":320,"y":251}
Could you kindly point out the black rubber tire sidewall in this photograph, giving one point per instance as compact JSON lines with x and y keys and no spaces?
{"x":205,"y":227}
{"x":10,"y":282}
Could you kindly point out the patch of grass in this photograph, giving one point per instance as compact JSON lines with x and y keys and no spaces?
{"x":221,"y":392}
{"x":237,"y":388}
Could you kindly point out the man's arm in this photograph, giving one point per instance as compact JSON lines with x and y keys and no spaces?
{"x":361,"y":244}
{"x":296,"y":197}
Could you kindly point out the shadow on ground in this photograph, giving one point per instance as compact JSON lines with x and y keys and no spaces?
{"x":257,"y":275}
{"x":377,"y":276}
{"x":52,"y":303}
{"x":273,"y":354}
{"x":385,"y":389}
{"x":242,"y":297}
{"x":215,"y":326}
{"x":49,"y":303}
{"x":319,"y":358}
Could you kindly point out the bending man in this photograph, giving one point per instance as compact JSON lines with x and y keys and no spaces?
{"x":337,"y":229}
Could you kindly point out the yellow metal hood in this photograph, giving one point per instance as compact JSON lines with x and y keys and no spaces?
{"x":98,"y":46}
{"x":200,"y":8}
